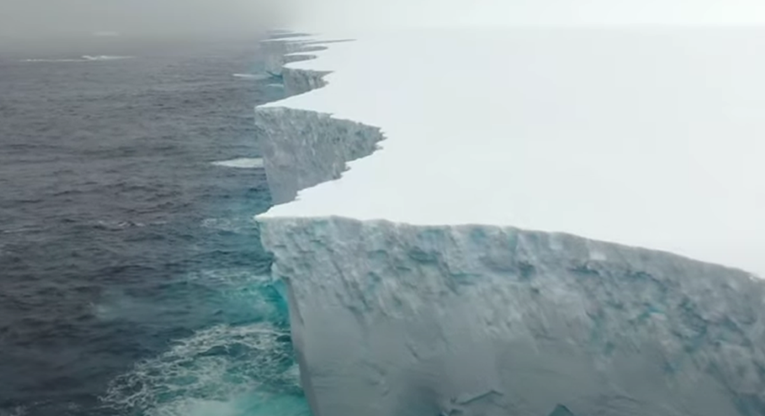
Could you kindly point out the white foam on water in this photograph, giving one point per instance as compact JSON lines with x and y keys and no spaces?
{"x":233,"y":225}
{"x":116,"y":225}
{"x":227,"y":277}
{"x":249,"y":405}
{"x":224,"y":370}
{"x":241,"y":163}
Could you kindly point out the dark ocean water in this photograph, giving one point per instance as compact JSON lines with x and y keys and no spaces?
{"x":132,"y":280}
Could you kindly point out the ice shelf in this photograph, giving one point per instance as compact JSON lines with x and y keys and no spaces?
{"x":524,"y":221}
{"x":646,"y":138}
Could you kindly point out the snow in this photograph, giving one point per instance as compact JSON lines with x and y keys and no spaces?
{"x":644,"y":137}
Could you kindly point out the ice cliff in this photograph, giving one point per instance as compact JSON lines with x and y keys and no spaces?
{"x":304,"y":148}
{"x":397,"y":317}
{"x":393,"y":319}
{"x":318,"y":148}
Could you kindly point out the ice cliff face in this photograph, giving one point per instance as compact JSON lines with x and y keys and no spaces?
{"x":392,"y":319}
{"x":395,"y":319}
{"x":280,"y":51}
{"x":301,"y":148}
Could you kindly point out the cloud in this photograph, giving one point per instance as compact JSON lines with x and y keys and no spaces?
{"x":139,"y":16}
{"x":184,"y":16}
{"x":362,"y":13}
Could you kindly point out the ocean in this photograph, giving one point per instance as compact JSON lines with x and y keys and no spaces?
{"x":132,"y":279}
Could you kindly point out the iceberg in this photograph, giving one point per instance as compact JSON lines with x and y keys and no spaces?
{"x":523,"y":222}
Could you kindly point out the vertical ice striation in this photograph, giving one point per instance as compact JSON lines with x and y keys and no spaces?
{"x":392,"y":319}
{"x":280,"y":51}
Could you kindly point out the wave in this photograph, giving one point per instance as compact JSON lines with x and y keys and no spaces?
{"x":21,"y":230}
{"x":84,"y":58}
{"x":53,"y":60}
{"x":237,"y":295}
{"x":224,"y":370}
{"x":231,"y":225}
{"x":241,"y":163}
{"x":241,"y":367}
{"x":256,"y":77}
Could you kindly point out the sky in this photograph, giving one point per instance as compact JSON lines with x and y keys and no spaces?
{"x":529,"y":12}
{"x":52,"y":17}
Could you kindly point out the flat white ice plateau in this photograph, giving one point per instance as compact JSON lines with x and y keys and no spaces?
{"x":645,"y":137}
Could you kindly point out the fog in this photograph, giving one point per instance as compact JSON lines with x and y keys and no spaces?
{"x":44,"y":18}
{"x":530,"y":12}
{"x":54,"y":17}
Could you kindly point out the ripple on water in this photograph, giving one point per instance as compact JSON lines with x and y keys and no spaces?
{"x":224,"y":370}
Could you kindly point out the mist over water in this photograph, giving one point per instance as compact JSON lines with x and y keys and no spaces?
{"x":49,"y":19}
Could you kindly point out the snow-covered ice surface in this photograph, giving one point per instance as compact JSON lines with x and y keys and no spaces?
{"x":470,"y":207}
{"x":647,"y":139}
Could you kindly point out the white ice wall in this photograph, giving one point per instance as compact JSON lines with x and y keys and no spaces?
{"x":397,"y":319}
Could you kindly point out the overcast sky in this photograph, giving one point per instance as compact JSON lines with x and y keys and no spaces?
{"x":515,"y":12}
{"x":29,"y":17}
{"x":151,"y":16}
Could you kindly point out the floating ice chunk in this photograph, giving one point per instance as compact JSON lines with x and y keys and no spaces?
{"x":241,"y":163}
{"x":254,"y":77}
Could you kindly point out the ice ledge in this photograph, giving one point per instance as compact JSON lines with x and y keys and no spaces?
{"x":303,"y":148}
{"x":547,"y":135}
{"x":391,"y":318}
